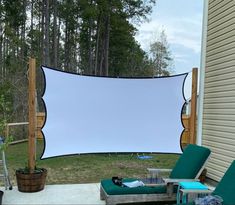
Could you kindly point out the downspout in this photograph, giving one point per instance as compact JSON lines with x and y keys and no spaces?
{"x":202,"y":72}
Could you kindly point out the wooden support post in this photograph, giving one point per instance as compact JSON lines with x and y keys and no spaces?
{"x":193,"y":112}
{"x":32,"y":114}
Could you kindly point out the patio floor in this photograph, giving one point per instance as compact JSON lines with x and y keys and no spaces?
{"x":80,"y":194}
{"x":55,"y":194}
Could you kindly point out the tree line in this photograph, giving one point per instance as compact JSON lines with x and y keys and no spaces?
{"x":90,"y":37}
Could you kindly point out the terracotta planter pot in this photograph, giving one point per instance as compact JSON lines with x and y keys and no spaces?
{"x":34,"y":182}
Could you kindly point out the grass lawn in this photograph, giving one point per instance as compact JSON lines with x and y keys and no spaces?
{"x":86,"y":168}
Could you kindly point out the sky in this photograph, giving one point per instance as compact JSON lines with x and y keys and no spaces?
{"x":182,"y":22}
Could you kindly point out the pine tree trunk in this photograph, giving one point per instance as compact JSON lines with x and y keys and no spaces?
{"x":90,"y":66}
{"x":47,"y":40}
{"x":90,"y":29}
{"x":31,"y":28}
{"x":23,"y":26}
{"x":101,"y":56}
{"x":97,"y":45}
{"x":66,"y":46}
{"x":3,"y":55}
{"x":55,"y":35}
{"x":58,"y":43}
{"x":15,"y":48}
{"x":106,"y":43}
{"x":43,"y":32}
{"x":1,"y":45}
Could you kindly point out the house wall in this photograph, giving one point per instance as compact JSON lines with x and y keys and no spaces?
{"x":218,"y":122}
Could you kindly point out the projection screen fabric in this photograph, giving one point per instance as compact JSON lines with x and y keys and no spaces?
{"x":86,"y":114}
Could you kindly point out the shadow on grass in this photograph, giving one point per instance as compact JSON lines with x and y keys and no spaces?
{"x":88,"y":168}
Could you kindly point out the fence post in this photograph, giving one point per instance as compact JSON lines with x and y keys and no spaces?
{"x":193,"y":111}
{"x":32,"y":114}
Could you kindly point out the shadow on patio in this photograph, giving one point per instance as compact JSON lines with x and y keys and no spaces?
{"x":56,"y":194}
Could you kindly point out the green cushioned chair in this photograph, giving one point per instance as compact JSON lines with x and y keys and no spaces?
{"x":225,"y":188}
{"x":188,"y":167}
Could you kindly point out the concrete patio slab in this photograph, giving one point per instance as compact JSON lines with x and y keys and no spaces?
{"x":56,"y":194}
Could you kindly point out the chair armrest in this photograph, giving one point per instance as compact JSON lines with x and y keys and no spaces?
{"x":156,"y":173}
{"x":176,"y":181}
{"x":155,"y":170}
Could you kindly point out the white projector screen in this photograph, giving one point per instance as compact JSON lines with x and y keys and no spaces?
{"x":86,"y":114}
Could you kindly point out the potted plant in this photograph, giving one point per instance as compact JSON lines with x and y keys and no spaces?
{"x":31,"y":178}
{"x":31,"y":181}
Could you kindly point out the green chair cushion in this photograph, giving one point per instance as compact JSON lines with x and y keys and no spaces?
{"x":190,"y":162}
{"x":112,"y":189}
{"x":226,"y":187}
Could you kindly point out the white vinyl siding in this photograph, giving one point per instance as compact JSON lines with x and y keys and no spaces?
{"x":218,"y":130}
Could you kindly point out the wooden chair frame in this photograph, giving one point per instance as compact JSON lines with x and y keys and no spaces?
{"x":131,"y":198}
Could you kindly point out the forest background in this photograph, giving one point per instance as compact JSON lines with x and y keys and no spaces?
{"x":89,"y":37}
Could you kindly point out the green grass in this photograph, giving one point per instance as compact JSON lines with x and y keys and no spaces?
{"x":86,"y":168}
